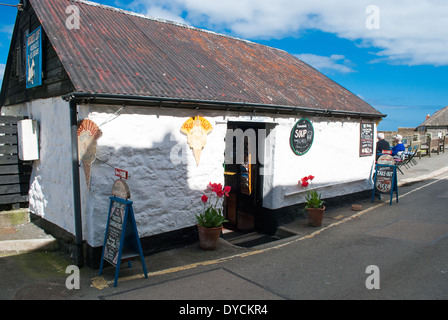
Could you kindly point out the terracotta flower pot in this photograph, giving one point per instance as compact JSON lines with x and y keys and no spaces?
{"x":209,"y":237}
{"x":315,"y":216}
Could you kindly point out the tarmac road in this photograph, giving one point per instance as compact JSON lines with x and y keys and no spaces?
{"x":406,"y":242}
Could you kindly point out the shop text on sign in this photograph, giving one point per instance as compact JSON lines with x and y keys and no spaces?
{"x":366,"y":139}
{"x":302,"y":136}
{"x":34,"y":58}
{"x":121,"y":173}
{"x":384,"y":180}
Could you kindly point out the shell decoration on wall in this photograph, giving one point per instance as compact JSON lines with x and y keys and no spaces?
{"x":196,"y":129}
{"x":88,"y":134}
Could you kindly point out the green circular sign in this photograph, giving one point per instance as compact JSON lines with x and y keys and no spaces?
{"x":302,"y":136}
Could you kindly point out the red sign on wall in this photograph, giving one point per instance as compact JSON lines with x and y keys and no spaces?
{"x":121,"y":173}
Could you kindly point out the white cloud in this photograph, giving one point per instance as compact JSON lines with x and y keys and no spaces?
{"x":334,"y":63}
{"x":162,"y":13}
{"x":161,"y":9}
{"x":410,"y":32}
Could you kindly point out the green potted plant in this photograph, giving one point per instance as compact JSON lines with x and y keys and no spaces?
{"x":210,"y":221}
{"x":314,"y":205}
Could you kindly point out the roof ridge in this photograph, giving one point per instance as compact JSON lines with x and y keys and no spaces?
{"x":175,"y":23}
{"x":183,"y":63}
{"x":435,"y":116}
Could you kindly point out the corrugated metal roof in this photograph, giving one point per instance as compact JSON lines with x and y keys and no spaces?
{"x":118,"y":52}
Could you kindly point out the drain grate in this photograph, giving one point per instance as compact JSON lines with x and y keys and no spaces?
{"x":256,"y":242}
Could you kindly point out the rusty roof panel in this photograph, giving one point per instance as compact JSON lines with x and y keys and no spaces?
{"x":118,"y":52}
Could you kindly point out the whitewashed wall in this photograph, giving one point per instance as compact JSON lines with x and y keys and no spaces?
{"x":165,"y":182}
{"x":333,"y":159}
{"x":51,"y":189}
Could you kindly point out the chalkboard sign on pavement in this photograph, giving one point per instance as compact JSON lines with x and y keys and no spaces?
{"x":385,"y":181}
{"x":121,"y":241}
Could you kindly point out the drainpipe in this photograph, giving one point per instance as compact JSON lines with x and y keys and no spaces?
{"x":76,"y":183}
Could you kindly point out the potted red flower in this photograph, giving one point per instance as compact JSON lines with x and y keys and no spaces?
{"x":210,"y":221}
{"x":314,"y":205}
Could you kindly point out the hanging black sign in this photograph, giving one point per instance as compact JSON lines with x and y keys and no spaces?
{"x":366,"y":139}
{"x":302,"y":136}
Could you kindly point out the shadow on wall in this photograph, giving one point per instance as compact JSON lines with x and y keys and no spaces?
{"x":166,"y":187}
{"x":159,"y":187}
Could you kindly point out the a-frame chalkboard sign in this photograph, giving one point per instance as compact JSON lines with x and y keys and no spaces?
{"x":385,"y":181}
{"x":121,"y":242}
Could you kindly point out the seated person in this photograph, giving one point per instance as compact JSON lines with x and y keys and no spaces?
{"x":399,"y":147}
{"x":381,"y":144}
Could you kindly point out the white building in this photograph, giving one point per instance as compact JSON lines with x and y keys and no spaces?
{"x":140,"y":80}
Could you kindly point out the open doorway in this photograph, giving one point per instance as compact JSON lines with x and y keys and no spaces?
{"x":242,"y":173}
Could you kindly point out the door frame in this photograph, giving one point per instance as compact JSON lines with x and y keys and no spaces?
{"x":236,"y":196}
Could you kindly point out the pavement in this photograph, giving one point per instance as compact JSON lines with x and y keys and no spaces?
{"x":33,"y":267}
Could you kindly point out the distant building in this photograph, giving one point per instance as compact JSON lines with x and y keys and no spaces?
{"x":437,"y":124}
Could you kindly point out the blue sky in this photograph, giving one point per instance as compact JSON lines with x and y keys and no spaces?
{"x":393,"y":54}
